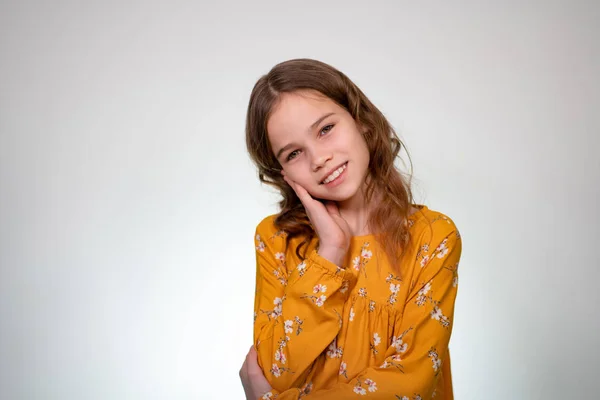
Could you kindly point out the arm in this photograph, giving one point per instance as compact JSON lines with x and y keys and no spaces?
{"x":296,"y":312}
{"x":414,"y":360}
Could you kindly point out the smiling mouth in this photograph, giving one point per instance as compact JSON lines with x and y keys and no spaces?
{"x":335,"y":174}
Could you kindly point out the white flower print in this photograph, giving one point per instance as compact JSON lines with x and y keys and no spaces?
{"x":425,"y":248}
{"x":372,"y":385}
{"x":394,"y":288}
{"x":320,"y":288}
{"x":356,"y":263}
{"x":371,"y":306}
{"x":267,"y":396}
{"x":319,"y":301}
{"x":399,"y":344}
{"x":442,"y":250}
{"x":260,"y":245}
{"x":301,"y":268}
{"x":373,"y":345}
{"x":299,"y":322}
{"x":333,"y":351}
{"x":306,"y":389}
{"x":455,"y":281}
{"x":359,"y":262}
{"x":280,"y":356}
{"x":394,"y":362}
{"x":376,"y":339}
{"x":362,"y":292}
{"x":275,"y":371}
{"x":278,"y":307}
{"x":289,"y":326}
{"x":343,"y":367}
{"x":422,"y":294}
{"x":359,"y":390}
{"x":280,"y":277}
{"x":437,"y":314}
{"x":435,"y":359}
{"x":280,"y":256}
{"x":351,"y":314}
{"x":345,"y":285}
{"x":425,"y":260}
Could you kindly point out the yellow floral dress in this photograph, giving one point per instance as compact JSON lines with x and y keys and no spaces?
{"x":324,"y":332}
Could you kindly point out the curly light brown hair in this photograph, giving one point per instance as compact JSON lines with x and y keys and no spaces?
{"x":388,"y":218}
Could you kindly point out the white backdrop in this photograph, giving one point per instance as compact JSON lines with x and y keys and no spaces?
{"x":128,"y":203}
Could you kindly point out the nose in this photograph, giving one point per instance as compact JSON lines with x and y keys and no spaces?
{"x":319,"y":160}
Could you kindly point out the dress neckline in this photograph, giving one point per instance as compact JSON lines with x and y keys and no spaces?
{"x":421,"y":208}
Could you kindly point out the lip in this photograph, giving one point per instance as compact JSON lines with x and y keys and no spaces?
{"x":331,"y":171}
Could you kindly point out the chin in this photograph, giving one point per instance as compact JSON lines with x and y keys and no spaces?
{"x":337,"y":197}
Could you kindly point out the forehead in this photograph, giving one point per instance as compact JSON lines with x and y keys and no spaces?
{"x":293,"y":115}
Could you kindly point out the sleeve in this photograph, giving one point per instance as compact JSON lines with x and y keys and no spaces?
{"x":414,"y":359}
{"x":297,"y":309}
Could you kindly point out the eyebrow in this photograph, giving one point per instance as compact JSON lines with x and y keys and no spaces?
{"x":313,"y":126}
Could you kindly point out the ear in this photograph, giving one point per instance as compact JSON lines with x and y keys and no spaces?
{"x":362,"y":127}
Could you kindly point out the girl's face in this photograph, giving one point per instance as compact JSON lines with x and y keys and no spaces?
{"x":319,"y":145}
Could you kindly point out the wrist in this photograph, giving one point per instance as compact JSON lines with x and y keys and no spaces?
{"x":332,"y":254}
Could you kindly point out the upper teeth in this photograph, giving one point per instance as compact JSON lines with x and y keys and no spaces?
{"x":335,"y":174}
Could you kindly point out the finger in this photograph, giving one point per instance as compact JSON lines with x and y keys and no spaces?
{"x":306,"y":198}
{"x":255,"y":372}
{"x":302,"y":194}
{"x":244,"y":371}
{"x":250,"y":354}
{"x":253,"y":366}
{"x":245,"y":364}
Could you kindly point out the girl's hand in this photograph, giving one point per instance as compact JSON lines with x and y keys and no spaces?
{"x":333,"y":230}
{"x":254,"y":381}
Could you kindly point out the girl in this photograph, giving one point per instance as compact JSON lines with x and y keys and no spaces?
{"x":355,"y":284}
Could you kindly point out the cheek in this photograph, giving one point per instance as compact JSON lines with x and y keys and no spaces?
{"x":363,"y":148}
{"x":296,"y":173}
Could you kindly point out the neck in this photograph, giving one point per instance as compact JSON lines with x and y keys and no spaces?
{"x":356,"y":211}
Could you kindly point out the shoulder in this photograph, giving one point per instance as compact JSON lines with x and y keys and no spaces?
{"x":431,"y":226}
{"x":267,"y":225}
{"x":267,"y":232}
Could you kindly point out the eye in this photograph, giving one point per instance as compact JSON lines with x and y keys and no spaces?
{"x":326,"y":129}
{"x":292,"y":155}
